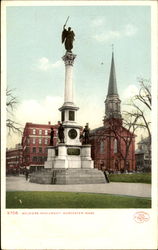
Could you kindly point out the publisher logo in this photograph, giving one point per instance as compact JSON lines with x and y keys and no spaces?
{"x":141,"y":217}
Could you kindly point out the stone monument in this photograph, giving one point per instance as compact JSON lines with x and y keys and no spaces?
{"x":70,"y":160}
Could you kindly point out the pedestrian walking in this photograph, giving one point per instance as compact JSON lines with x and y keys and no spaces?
{"x":106,"y":176}
{"x":26,"y":175}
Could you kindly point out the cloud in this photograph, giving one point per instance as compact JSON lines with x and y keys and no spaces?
{"x":39,"y":111}
{"x":127,"y":31}
{"x":109,"y":35}
{"x":48,"y":110}
{"x":44,"y":64}
{"x":91,"y":111}
{"x":98,"y":22}
{"x":35,"y":111}
{"x":129,"y":92}
{"x":130,"y":30}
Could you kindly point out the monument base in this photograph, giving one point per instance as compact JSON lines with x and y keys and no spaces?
{"x":69,"y":156}
{"x":69,"y":176}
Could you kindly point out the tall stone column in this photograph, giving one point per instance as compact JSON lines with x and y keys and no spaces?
{"x":68,"y":109}
{"x":68,"y":58}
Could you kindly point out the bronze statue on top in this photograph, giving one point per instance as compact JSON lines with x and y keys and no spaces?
{"x":68,"y":37}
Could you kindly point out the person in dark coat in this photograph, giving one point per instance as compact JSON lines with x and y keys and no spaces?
{"x":26,"y":174}
{"x":106,"y":176}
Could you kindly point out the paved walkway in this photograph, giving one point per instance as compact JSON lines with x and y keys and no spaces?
{"x":118,"y":188}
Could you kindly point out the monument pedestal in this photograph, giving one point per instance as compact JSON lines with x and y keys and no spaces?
{"x":69,"y":165}
{"x":69,"y":156}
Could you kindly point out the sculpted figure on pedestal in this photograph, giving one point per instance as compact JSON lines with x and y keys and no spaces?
{"x":61,"y":133}
{"x":68,"y":38}
{"x":86,"y":134}
{"x":51,"y":137}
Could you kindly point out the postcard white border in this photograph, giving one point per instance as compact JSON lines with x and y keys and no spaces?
{"x":107,"y":228}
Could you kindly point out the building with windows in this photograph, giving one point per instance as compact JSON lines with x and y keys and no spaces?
{"x":35,"y":140}
{"x":143,"y":155}
{"x":14,"y":160}
{"x":113,"y":146}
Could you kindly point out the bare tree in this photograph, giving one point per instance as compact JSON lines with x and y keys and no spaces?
{"x":124,"y":135}
{"x":141,"y":106}
{"x":11,"y":104}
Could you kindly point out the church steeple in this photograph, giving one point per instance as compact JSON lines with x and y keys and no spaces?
{"x":112,"y":102}
{"x":112,"y":90}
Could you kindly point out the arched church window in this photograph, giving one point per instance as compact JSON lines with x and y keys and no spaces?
{"x":102,"y":147}
{"x":115,"y":146}
{"x":116,"y":106}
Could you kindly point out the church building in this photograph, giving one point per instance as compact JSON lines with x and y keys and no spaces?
{"x":113,"y":146}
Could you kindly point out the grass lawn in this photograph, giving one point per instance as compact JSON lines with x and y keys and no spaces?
{"x":72,"y":200}
{"x":138,"y":177}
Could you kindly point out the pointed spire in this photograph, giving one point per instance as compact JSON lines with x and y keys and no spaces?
{"x":112,"y":102}
{"x":112,"y":89}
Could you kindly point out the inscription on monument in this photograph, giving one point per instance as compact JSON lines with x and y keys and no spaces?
{"x":73,"y":151}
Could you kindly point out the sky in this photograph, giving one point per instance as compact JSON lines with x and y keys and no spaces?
{"x":36,"y":71}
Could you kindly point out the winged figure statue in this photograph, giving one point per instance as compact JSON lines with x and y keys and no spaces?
{"x":68,"y":38}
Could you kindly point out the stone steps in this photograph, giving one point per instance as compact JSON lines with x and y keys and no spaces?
{"x":69,"y":176}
